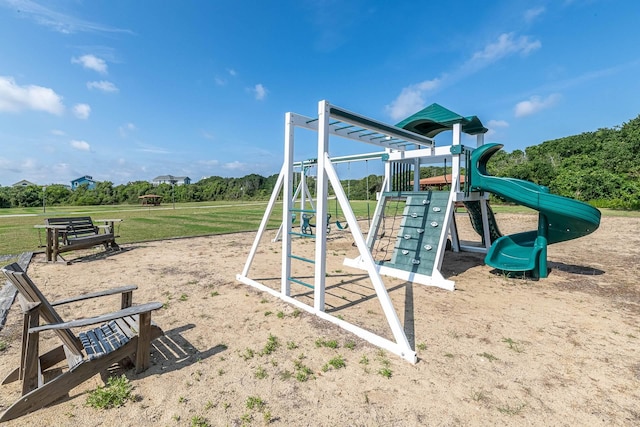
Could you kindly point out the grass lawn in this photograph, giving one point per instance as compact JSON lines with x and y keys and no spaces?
{"x":17,"y":233}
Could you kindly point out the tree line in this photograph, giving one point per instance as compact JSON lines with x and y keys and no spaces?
{"x":250,"y":187}
{"x":600,"y":167}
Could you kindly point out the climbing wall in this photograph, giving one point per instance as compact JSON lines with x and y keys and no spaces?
{"x":419,"y":234}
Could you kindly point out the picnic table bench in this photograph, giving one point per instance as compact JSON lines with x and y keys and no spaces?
{"x":66,"y":234}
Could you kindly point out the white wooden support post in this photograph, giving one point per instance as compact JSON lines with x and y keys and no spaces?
{"x":295,"y":196}
{"x":321,"y":206}
{"x":303,"y":180}
{"x":378,"y":214}
{"x":387,"y":174}
{"x":446,"y":225}
{"x":455,"y":159}
{"x":285,"y":286}
{"x":479,"y":139}
{"x":264,"y":222}
{"x":401,"y":347}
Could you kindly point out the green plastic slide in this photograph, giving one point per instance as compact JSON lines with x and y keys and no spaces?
{"x":560,"y":218}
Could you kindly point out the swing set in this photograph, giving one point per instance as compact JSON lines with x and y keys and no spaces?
{"x":427,"y":221}
{"x":341,"y":123}
{"x":302,"y":196}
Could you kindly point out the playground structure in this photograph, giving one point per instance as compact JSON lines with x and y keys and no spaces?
{"x":427,"y":221}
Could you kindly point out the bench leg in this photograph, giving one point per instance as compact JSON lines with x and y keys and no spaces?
{"x":49,"y":244}
{"x":56,"y":243}
{"x":144,"y":342}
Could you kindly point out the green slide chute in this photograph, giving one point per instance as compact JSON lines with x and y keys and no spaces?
{"x":559,"y":219}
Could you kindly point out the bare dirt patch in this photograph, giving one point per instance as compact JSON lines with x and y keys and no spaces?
{"x":497,"y":351}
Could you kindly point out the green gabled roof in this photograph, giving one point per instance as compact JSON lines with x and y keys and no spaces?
{"x":434,"y":119}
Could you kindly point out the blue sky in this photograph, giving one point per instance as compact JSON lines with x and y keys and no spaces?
{"x":128,"y":90}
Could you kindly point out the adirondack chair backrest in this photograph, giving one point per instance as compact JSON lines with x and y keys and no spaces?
{"x":31,"y":293}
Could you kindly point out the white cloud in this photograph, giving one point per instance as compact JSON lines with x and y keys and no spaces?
{"x":147,"y":148}
{"x":506,"y":44}
{"x":531,"y":14}
{"x":58,"y":132}
{"x":82,"y":111}
{"x":207,"y":135}
{"x":61,"y":169}
{"x":4,"y":163}
{"x":497,"y":124}
{"x":232,"y":72}
{"x":80,"y":145}
{"x":15,"y":98}
{"x":29,"y":163}
{"x":103,"y":85}
{"x":411,"y":99}
{"x":126,"y":129}
{"x":236,"y":165}
{"x":209,"y":163}
{"x":220,"y":81}
{"x":535,"y":104}
{"x":494,"y":125}
{"x":91,"y":62}
{"x":57,"y":21}
{"x":260,"y":92}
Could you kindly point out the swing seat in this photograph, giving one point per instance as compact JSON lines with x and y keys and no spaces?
{"x":307,"y":226}
{"x":341,"y":226}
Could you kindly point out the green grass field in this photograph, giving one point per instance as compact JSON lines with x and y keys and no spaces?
{"x":17,"y":232}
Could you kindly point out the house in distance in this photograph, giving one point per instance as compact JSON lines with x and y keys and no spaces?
{"x":171,"y":180}
{"x":91,"y":184}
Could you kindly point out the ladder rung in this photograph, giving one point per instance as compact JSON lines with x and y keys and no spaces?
{"x":293,"y":233}
{"x":300,"y":282}
{"x":311,"y":211}
{"x":302,"y":259}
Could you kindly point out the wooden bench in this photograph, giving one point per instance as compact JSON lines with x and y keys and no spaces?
{"x":66,"y":234}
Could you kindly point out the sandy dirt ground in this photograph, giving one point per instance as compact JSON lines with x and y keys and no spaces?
{"x":497,"y":351}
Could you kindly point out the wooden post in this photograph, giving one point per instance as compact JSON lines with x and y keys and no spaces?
{"x":126,"y":299}
{"x":56,"y":236}
{"x":31,"y":362}
{"x":49,"y":244}
{"x":144,"y":340}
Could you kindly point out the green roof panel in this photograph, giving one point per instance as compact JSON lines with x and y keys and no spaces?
{"x":434,"y":119}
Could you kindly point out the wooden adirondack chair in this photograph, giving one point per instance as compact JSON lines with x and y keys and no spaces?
{"x":123,"y":334}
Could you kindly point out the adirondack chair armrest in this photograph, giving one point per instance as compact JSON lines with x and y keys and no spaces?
{"x":107,"y":292}
{"x":130,"y":311}
{"x":25,"y":305}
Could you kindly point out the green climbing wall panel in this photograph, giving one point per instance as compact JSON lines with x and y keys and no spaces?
{"x":420,"y":230}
